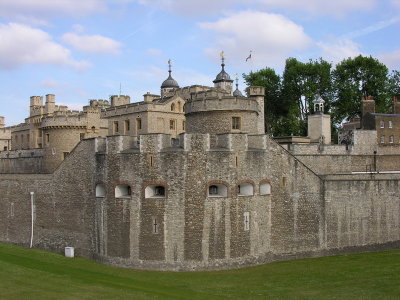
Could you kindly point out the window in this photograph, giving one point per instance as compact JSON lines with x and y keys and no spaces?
{"x":179,"y":106}
{"x":100,"y":190}
{"x":155,"y":224}
{"x":139,"y":124}
{"x":246,"y":221}
{"x":172,"y":124}
{"x":390,"y":124}
{"x":154,"y":191}
{"x":28,"y":138}
{"x":173,"y":107}
{"x":265,"y":188}
{"x":159,"y":191}
{"x":183,"y":125}
{"x":81,"y":136}
{"x":382,"y":139}
{"x":391,"y":139}
{"x":65,"y":154}
{"x":123,"y":191}
{"x":47,"y":138}
{"x":245,"y":189}
{"x":217,"y":190}
{"x":213,"y":190}
{"x":236,"y":123}
{"x":127,"y":125}
{"x":382,"y":124}
{"x":116,"y":127}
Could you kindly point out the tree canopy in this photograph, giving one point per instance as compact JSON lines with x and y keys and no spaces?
{"x":289,"y":97}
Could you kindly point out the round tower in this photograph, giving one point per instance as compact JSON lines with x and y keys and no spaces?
{"x":223,"y":80}
{"x":216,"y":112}
{"x":169,"y":84}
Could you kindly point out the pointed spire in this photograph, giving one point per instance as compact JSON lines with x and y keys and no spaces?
{"x":169,"y":66}
{"x":222,"y":54}
{"x":237,"y":93}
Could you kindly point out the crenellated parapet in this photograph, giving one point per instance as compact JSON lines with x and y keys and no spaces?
{"x":157,"y":143}
{"x":205,"y":102}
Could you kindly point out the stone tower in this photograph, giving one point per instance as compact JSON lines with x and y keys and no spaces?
{"x":223,"y":80}
{"x":319,"y":124}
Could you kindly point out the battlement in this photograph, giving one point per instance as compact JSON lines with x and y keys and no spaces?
{"x":157,"y":142}
{"x":117,"y":100}
{"x":209,"y":102}
{"x":253,"y":91}
{"x":67,"y":120}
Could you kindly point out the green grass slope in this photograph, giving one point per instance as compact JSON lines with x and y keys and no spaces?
{"x":34,"y":274}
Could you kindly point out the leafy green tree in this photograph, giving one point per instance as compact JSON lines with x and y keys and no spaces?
{"x":302,"y":83}
{"x":355,"y":78}
{"x":394,"y":83}
{"x":274,"y":108}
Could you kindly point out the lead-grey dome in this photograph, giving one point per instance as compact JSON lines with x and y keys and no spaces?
{"x":170,"y":82}
{"x":222,"y":76}
{"x":237,"y":93}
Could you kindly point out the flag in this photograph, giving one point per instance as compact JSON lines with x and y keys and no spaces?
{"x":248,"y":57}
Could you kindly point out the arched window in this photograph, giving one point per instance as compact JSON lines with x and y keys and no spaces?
{"x":217,"y":190}
{"x":245,"y":189}
{"x":123,"y":191}
{"x":100,"y":190}
{"x":179,"y":106}
{"x":173,"y":107}
{"x":265,"y":188}
{"x":154,"y":191}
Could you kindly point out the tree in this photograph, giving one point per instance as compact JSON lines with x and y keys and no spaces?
{"x":355,"y":78}
{"x":302,"y":83}
{"x":273,"y":106}
{"x":394,"y":83}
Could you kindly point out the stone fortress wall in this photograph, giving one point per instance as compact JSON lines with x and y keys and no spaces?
{"x":301,"y":214}
{"x":222,"y":195}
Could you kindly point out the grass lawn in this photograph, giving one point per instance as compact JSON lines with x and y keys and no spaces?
{"x":34,"y":274}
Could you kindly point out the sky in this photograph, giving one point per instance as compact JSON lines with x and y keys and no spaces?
{"x":91,"y":49}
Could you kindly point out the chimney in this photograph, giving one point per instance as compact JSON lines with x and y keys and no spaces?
{"x":149,"y":97}
{"x":367,"y":105}
{"x":396,"y":104}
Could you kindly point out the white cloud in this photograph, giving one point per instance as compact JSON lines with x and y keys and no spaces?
{"x":323,"y":7}
{"x":20,"y":9}
{"x":372,"y":28}
{"x":337,"y":50}
{"x":92,"y":43}
{"x":391,"y":59}
{"x":24,"y":45}
{"x":271,"y":37}
{"x":316,"y":7}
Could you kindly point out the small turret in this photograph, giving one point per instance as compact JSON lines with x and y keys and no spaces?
{"x":223,"y":80}
{"x":237,"y":93}
{"x":319,"y":124}
{"x":169,"y":84}
{"x":319,"y":105}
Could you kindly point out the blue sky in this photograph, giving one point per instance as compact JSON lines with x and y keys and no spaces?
{"x":81,"y":50}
